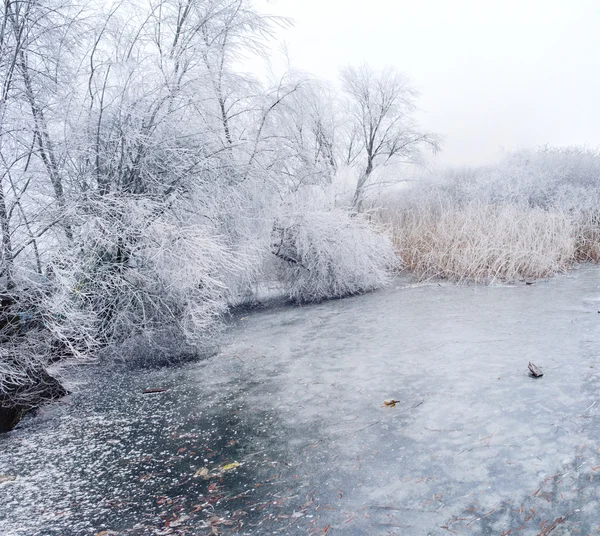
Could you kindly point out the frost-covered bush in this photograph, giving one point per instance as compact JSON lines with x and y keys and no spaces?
{"x":531,"y":215}
{"x":330,"y":254}
{"x":23,"y":375}
{"x":143,"y":271}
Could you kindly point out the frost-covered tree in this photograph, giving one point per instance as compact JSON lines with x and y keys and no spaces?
{"x":305,"y":128}
{"x":381,"y":126}
{"x":323,"y":252}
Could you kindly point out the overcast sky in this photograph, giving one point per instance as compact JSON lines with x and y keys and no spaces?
{"x":492,"y":74}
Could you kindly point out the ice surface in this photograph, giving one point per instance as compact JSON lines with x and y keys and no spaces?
{"x":474,"y":445}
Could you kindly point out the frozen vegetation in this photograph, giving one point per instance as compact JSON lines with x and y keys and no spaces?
{"x":534,"y":214}
{"x":330,"y":254}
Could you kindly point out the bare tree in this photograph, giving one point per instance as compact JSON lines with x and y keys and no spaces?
{"x":37,"y":40}
{"x":382,"y":125}
{"x":304,"y":128}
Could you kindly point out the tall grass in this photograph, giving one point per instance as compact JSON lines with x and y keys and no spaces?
{"x":532,"y":215}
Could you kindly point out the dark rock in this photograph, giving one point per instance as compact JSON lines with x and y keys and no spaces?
{"x":10,"y":417}
{"x":535,"y":371}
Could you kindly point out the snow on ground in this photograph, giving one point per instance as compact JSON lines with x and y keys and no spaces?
{"x":473,"y":446}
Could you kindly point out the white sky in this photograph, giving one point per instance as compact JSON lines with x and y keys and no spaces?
{"x":492,"y":74}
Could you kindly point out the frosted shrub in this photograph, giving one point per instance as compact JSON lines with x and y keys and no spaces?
{"x":23,"y":376}
{"x":330,"y":254}
{"x":188,"y":264}
{"x":143,"y":271}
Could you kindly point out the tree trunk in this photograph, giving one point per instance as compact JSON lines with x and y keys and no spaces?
{"x":358,"y":200}
{"x":7,"y":253}
{"x":44,"y":142}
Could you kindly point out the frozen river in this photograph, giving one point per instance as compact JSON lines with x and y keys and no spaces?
{"x":286,"y":431}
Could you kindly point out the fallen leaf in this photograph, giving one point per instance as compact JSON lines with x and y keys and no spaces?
{"x":390,"y":403}
{"x":203,"y":472}
{"x":7,"y":478}
{"x":230,"y":466}
{"x":215,"y":520}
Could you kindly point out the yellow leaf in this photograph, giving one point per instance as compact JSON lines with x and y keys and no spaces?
{"x":391,"y":403}
{"x":230,"y":466}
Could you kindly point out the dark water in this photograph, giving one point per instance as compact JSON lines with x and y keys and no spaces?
{"x":473,"y":446}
